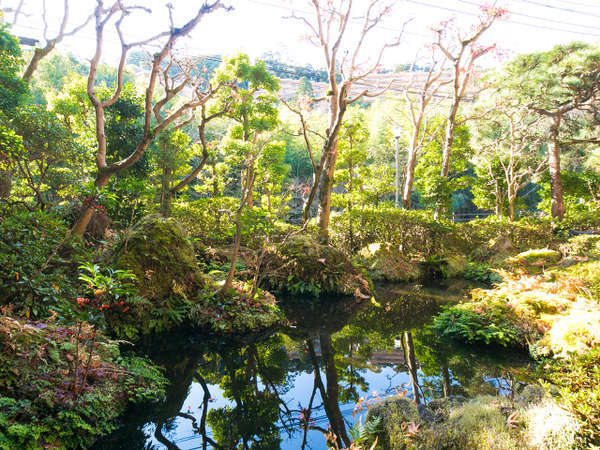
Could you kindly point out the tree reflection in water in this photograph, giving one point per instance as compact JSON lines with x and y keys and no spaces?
{"x":261,"y":392}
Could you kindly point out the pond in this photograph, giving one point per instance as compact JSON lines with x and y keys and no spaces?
{"x":287,"y":388}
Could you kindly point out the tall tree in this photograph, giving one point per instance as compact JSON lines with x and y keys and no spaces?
{"x":346,"y":67}
{"x":460,"y":46}
{"x":50,"y":41}
{"x":155,"y":119}
{"x":421,"y":90}
{"x":562,"y":86}
{"x":255,"y":117}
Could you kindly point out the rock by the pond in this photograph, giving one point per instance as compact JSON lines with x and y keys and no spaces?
{"x":385,"y":262}
{"x":303,"y":266}
{"x":393,"y":414}
{"x":534,"y":261}
{"x":158,"y":252}
{"x":168,"y":280}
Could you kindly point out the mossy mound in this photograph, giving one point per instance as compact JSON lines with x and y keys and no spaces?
{"x":237,"y":311}
{"x":168,"y":279}
{"x":54,"y":395}
{"x":158,"y":252}
{"x":534,"y":261}
{"x":393,"y":414}
{"x":385,"y":262}
{"x":303,"y":266}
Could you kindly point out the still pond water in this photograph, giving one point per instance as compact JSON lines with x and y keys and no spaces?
{"x":261,"y":392}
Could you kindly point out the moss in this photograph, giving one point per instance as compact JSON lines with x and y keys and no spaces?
{"x":163,"y":260}
{"x":384,"y":262}
{"x":169,"y":281}
{"x":303,"y":266}
{"x":550,"y":427}
{"x":46,"y":398}
{"x":534,"y":261}
{"x":394,"y":413}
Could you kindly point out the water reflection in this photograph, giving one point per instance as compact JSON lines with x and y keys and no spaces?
{"x":300,"y":386}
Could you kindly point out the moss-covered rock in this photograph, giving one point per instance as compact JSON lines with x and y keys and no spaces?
{"x":534,"y":261}
{"x":385,"y":262}
{"x":169,"y":282}
{"x":393,"y":414}
{"x":303,"y":266}
{"x":163,"y":260}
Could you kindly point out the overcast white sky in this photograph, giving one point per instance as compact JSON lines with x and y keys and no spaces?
{"x":258,"y":26}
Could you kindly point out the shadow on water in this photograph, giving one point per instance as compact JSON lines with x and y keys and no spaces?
{"x":291,"y":388}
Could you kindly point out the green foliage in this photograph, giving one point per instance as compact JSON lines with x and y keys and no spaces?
{"x":303,"y":266}
{"x":481,"y":273}
{"x":487,"y":323}
{"x":236,"y":312}
{"x":12,"y":88}
{"x":411,"y":231}
{"x":33,"y":278}
{"x":578,"y":378}
{"x":436,"y":190}
{"x":40,"y":406}
{"x":49,"y":153}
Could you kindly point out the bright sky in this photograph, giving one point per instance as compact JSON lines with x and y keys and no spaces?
{"x":258,"y":26}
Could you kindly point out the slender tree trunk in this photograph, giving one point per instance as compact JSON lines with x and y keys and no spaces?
{"x":332,"y":407}
{"x":511,"y":207}
{"x":411,"y":362}
{"x":409,"y":176}
{"x":556,"y":190}
{"x":446,"y":380}
{"x":5,"y":183}
{"x":449,"y":138}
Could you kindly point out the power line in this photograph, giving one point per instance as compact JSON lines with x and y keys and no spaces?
{"x":515,"y":13}
{"x":429,"y":5}
{"x":575,"y":11}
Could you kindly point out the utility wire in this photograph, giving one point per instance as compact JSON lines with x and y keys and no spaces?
{"x":459,"y":11}
{"x":574,"y":11}
{"x":516,"y":13}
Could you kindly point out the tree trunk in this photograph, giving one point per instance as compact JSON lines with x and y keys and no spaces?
{"x":409,"y":176}
{"x":5,"y":183}
{"x":449,"y":139}
{"x":411,"y":362}
{"x":556,"y":191}
{"x":86,"y":215}
{"x":332,"y":407}
{"x":446,"y":381}
{"x":325,"y":196}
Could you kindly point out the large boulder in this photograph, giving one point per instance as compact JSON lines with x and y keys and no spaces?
{"x":303,"y":266}
{"x":168,"y":280}
{"x":534,"y":261}
{"x":163,"y":260}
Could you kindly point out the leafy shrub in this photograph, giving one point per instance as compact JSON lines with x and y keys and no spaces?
{"x":46,"y":402}
{"x":586,"y":245}
{"x":480,"y":322}
{"x":481,"y":273}
{"x":579,"y":381}
{"x":303,"y":266}
{"x":38,"y":264}
{"x":410,"y":231}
